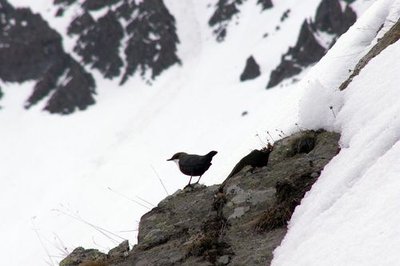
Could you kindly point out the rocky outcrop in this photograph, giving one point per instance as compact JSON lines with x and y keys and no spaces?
{"x":266,"y":4}
{"x":147,"y":27}
{"x":306,"y":51}
{"x":99,"y":41}
{"x":329,"y":18}
{"x":225,"y":10}
{"x":127,"y":38}
{"x":152,"y":40}
{"x":251,"y":70}
{"x":238,"y":223}
{"x":31,"y":50}
{"x":223,"y":14}
{"x":390,"y":37}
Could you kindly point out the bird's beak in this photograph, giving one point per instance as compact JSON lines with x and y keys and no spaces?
{"x":169,"y":159}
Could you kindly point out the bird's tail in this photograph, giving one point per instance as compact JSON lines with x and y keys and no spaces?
{"x":211,"y":154}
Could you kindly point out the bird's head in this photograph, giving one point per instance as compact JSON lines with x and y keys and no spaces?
{"x":177,"y":156}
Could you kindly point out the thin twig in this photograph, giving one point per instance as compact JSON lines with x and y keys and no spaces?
{"x":99,"y":229}
{"x":166,"y":191}
{"x":270,"y":136}
{"x":128,"y":198}
{"x":51,"y":262}
{"x":151,"y":204}
{"x":333,"y":112}
{"x":262,"y":142}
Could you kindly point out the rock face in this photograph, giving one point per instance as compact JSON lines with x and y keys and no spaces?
{"x":31,"y":50}
{"x":265,"y":4}
{"x":148,"y":27}
{"x":225,"y":10}
{"x":238,"y":223}
{"x":251,"y":70}
{"x":98,"y":42}
{"x":152,"y":40}
{"x":390,"y":37}
{"x":329,"y":18}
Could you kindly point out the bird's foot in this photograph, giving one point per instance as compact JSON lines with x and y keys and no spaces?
{"x":188,"y":186}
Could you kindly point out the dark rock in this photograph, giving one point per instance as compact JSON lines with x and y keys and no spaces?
{"x":285,"y":15}
{"x":28,"y":44}
{"x":126,"y":9}
{"x":31,"y":50}
{"x":256,"y":158}
{"x":60,"y":12}
{"x":251,"y":70}
{"x":121,"y":251}
{"x":80,"y":24}
{"x":329,"y":18}
{"x":306,"y":51}
{"x":390,"y":37}
{"x":225,"y":10}
{"x":348,"y":19}
{"x":64,"y":2}
{"x":81,"y":255}
{"x":75,"y":91}
{"x":99,"y":42}
{"x":266,"y":4}
{"x":286,"y":69}
{"x":150,"y":32}
{"x":98,"y":4}
{"x":152,"y":40}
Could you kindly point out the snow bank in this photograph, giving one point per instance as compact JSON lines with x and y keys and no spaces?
{"x":350,"y":216}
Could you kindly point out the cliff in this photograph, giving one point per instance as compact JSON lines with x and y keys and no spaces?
{"x":239,"y":222}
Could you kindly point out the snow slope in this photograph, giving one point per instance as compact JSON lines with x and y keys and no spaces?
{"x":87,"y":178}
{"x":350,"y":216}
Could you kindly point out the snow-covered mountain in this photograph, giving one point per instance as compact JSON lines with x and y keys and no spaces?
{"x":141,"y":80}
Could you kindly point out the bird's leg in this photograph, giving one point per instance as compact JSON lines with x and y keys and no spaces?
{"x":188,"y":185}
{"x":198,"y":180}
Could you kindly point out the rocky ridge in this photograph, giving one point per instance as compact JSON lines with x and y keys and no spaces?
{"x":31,"y":50}
{"x":239,"y":222}
{"x":309,"y":49}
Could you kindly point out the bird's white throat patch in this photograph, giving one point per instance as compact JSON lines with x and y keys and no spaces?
{"x":176,"y":161}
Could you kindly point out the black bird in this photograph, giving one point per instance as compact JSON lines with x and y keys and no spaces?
{"x":192,"y":164}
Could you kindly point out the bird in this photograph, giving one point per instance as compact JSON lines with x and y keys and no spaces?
{"x":193,"y":164}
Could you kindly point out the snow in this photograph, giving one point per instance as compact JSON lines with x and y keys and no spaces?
{"x":86,"y":179}
{"x":350,"y":216}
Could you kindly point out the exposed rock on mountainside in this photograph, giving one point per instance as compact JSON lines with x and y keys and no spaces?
{"x":310,"y":48}
{"x":251,"y":70}
{"x":152,"y":40}
{"x":390,"y":37}
{"x":265,"y":3}
{"x":31,"y":50}
{"x":98,"y":42}
{"x":148,"y":26}
{"x":238,"y":223}
{"x":306,"y":51}
{"x":224,"y":12}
